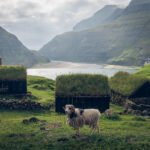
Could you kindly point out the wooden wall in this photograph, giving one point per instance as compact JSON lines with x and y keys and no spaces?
{"x":13,"y":87}
{"x":101,"y":103}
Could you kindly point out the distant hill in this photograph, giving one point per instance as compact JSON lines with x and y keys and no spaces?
{"x":123,"y":39}
{"x":13,"y":52}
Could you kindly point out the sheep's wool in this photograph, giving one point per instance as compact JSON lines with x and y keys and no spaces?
{"x":76,"y":122}
{"x":88,"y":117}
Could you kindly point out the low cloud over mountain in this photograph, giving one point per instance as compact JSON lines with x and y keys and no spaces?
{"x":37,"y":21}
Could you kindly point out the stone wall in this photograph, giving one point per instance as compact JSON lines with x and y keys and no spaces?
{"x":16,"y":104}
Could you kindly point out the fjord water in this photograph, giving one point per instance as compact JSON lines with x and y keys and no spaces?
{"x":56,"y":68}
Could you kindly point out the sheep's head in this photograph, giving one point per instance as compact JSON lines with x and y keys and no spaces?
{"x":69,"y":109}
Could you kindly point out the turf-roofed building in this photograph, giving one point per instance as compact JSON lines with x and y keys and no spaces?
{"x":13,"y":80}
{"x":134,"y":87}
{"x":83,"y":91}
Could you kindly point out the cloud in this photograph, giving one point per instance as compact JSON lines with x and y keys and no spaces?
{"x":37,"y":21}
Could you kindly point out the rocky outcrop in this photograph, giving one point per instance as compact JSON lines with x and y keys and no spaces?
{"x":137,"y":106}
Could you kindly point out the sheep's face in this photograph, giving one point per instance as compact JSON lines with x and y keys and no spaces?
{"x":69,"y":109}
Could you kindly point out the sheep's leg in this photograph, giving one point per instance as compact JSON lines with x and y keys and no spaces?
{"x":93,"y":128}
{"x":97,"y":127}
{"x":92,"y":131}
{"x":77,"y":132}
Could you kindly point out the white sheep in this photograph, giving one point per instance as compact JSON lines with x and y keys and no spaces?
{"x":77,"y":118}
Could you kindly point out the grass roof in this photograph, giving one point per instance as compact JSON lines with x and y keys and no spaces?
{"x":82,"y":85}
{"x":12,"y":72}
{"x":126,"y":84}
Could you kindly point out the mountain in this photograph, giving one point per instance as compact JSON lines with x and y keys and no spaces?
{"x":13,"y":52}
{"x":139,"y":2}
{"x":125,"y":40}
{"x":104,"y":15}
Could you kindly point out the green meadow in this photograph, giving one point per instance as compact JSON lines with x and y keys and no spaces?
{"x":42,"y":89}
{"x":51,"y":132}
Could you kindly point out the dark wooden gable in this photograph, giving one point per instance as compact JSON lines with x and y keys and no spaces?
{"x":13,"y":87}
{"x":143,"y":91}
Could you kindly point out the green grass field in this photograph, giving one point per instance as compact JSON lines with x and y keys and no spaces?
{"x":42,"y":89}
{"x":129,"y":132}
{"x":51,"y":132}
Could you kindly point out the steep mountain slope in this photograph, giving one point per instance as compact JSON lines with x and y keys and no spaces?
{"x":137,"y":16}
{"x":125,"y":40}
{"x":13,"y":52}
{"x":106,"y":14}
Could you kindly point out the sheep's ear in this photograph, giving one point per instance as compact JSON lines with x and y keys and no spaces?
{"x":72,"y":108}
{"x":63,"y":107}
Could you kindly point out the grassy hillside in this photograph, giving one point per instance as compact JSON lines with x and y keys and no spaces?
{"x":42,"y":89}
{"x":144,"y":71}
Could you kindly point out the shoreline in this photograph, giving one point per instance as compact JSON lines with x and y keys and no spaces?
{"x":65,"y":64}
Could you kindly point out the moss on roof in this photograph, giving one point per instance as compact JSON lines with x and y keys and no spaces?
{"x":126,"y":84}
{"x":82,"y":85}
{"x":12,"y":73}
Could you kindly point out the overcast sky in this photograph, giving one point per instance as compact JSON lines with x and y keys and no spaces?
{"x":35,"y":22}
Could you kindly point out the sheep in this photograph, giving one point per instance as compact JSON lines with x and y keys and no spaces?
{"x":77,"y":118}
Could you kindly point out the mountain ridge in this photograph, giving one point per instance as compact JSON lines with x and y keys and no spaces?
{"x":13,"y":52}
{"x":122,"y":41}
{"x":100,"y":17}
